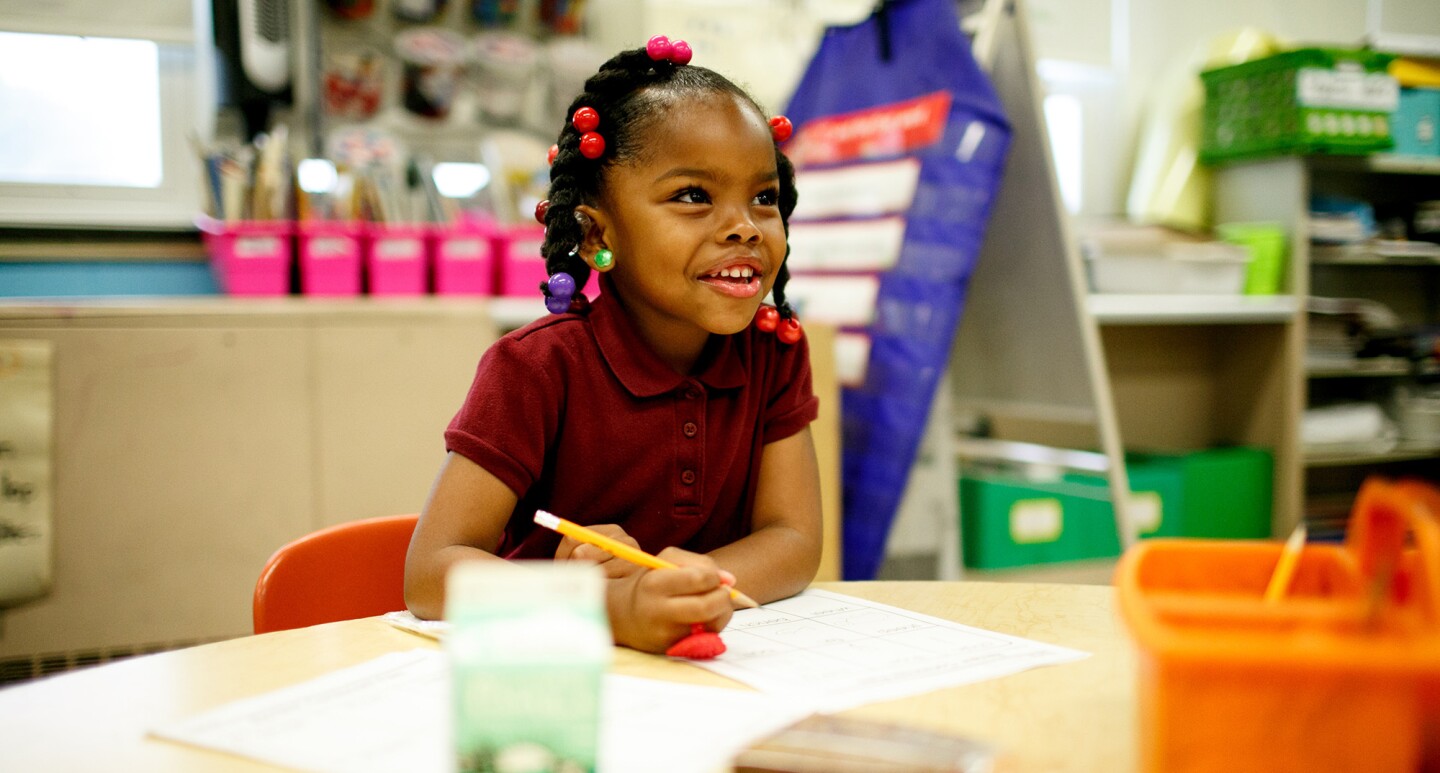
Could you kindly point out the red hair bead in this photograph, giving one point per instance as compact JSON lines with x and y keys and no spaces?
{"x":658,"y":48}
{"x":680,"y":53}
{"x":592,"y":145}
{"x":585,"y":120}
{"x":541,"y":209}
{"x":767,"y":318}
{"x":554,"y":151}
{"x":781,"y":128}
{"x":789,"y":331}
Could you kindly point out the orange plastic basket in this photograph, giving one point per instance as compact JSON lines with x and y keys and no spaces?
{"x":1343,"y":674}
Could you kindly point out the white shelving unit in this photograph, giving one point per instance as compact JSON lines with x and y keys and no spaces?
{"x":1319,"y":485}
{"x":1117,"y":309}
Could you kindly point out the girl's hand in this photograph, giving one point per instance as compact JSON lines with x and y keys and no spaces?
{"x":571,"y":549}
{"x":654,"y":608}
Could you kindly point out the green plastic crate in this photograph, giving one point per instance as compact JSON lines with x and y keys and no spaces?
{"x":1007,"y":520}
{"x":1308,"y":100}
{"x":1228,"y":492}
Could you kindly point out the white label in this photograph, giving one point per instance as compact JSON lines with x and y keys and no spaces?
{"x":257,"y":246}
{"x":862,"y":190}
{"x":528,"y":249}
{"x":397,"y":249}
{"x":867,"y":245}
{"x":1146,"y":511}
{"x":329,"y":246}
{"x":463,"y":249}
{"x":1036,"y":520}
{"x":1348,"y":89}
{"x":839,"y":299}
{"x":852,"y":358}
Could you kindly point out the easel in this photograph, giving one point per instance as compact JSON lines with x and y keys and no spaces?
{"x":1028,"y":355}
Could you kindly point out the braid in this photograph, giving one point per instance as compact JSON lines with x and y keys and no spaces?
{"x":629,"y":92}
{"x":788,"y":198}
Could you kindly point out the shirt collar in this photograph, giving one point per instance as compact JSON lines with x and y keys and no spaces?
{"x":639,"y":369}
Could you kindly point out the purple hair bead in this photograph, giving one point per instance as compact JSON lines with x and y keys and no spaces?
{"x":561,"y":285}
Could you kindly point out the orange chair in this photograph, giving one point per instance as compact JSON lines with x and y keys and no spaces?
{"x":349,"y":570}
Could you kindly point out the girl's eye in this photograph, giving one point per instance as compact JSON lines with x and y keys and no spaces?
{"x":692,"y":196}
{"x":767,"y":198}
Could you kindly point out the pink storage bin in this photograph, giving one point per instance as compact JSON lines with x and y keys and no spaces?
{"x":464,"y":259}
{"x":397,"y":258}
{"x":330,"y":257}
{"x":522,"y":268}
{"x":251,"y":257}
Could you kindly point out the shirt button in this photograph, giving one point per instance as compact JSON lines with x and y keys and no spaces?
{"x":687,"y":477}
{"x":692,"y":393}
{"x":690,"y":429}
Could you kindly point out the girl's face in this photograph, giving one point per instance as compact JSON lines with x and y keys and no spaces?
{"x":695,"y":225}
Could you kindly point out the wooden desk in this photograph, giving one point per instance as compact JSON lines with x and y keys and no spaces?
{"x":1071,"y":717}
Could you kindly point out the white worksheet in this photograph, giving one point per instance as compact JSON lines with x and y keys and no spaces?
{"x":393,"y":714}
{"x":837,"y":651}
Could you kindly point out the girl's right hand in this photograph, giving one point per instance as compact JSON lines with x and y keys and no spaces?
{"x":571,"y":549}
{"x":654,"y":608}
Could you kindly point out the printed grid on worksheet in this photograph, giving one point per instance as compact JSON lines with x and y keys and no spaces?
{"x":838,"y":639}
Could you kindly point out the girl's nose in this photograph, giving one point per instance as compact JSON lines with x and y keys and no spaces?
{"x":742,"y":230}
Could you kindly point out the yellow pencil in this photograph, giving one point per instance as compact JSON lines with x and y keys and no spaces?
{"x":1285,"y":568}
{"x":619,"y":549}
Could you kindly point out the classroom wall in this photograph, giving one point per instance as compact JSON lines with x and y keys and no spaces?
{"x":1119,"y":56}
{"x":1115,"y":55}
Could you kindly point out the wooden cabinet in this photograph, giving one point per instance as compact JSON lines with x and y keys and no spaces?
{"x":191,"y":439}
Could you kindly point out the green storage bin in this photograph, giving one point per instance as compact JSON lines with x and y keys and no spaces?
{"x":1308,"y":100}
{"x":1008,"y":521}
{"x":1223,"y":493}
{"x":1157,"y":499}
{"x":1228,"y":492}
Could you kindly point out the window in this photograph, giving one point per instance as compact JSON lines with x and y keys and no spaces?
{"x":1064,"y":120}
{"x":82,"y":111}
{"x":93,"y":131}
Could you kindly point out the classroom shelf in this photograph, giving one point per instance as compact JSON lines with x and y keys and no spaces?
{"x":1373,"y":367}
{"x":1404,"y":452}
{"x":1413,"y":254}
{"x":1174,"y":309}
{"x":1383,"y":163}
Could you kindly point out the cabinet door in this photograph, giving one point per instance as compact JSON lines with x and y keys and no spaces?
{"x":383,"y":397}
{"x":182,"y":460}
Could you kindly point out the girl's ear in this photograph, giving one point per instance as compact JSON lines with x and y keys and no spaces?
{"x":593,"y":226}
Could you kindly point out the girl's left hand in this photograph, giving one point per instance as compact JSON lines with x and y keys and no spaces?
{"x":573,"y":550}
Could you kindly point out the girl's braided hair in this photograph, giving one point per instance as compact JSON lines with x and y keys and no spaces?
{"x":631,"y":92}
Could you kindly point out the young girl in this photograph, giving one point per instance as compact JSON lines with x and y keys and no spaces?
{"x":673,"y":411}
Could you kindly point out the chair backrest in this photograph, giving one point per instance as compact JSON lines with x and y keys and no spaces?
{"x":342,"y":572}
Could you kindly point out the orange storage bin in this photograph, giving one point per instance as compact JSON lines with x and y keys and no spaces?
{"x":1342,"y":674}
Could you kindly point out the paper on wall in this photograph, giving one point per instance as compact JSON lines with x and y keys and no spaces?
{"x":26,"y":419}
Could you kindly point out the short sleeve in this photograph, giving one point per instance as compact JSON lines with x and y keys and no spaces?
{"x":791,"y":402}
{"x":509,"y":414}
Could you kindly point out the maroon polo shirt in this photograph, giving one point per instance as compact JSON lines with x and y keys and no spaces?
{"x":579,"y":417}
